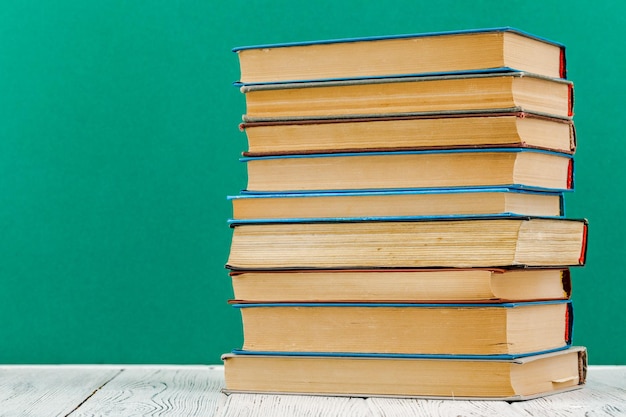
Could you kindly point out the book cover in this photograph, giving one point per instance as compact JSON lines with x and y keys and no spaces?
{"x":400,"y":36}
{"x":446,"y":94}
{"x":416,"y":132}
{"x":496,"y":242}
{"x":438,"y":329}
{"x":446,"y":285}
{"x":250,"y":207}
{"x":432,"y":378}
{"x":522,"y":168}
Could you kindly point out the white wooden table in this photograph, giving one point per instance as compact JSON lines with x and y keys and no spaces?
{"x":189,"y":391}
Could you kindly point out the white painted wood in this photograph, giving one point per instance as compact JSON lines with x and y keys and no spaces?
{"x":47,"y":391}
{"x":389,"y":407}
{"x":253,"y":405}
{"x":158,"y":391}
{"x":191,"y":391}
{"x":614,"y":376}
{"x":571,"y":404}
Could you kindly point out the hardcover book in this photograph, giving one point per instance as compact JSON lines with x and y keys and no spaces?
{"x":402,"y":285}
{"x":416,"y":377}
{"x":482,"y":329}
{"x":451,"y":94}
{"x":495,"y":167}
{"x":420,"y":243}
{"x":390,"y":133}
{"x":388,"y":203}
{"x":426,"y":53}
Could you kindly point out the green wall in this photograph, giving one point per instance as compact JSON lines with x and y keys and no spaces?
{"x":119,"y":145}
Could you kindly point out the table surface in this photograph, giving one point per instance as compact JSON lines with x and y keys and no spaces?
{"x":137,"y":390}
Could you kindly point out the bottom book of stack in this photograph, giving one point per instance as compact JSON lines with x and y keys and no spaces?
{"x":502,"y":378}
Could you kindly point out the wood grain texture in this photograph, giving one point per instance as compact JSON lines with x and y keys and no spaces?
{"x":252,"y":405}
{"x":158,"y":391}
{"x":193,"y":391}
{"x":389,"y":407}
{"x":614,"y":376}
{"x":48,"y":391}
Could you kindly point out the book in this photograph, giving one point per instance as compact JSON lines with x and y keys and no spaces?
{"x":437,"y":202}
{"x":421,"y":243}
{"x":435,"y":52}
{"x":371,"y":376}
{"x":510,"y":329}
{"x":449,"y":94}
{"x":495,"y":167}
{"x":513,"y":129}
{"x":402,"y":285}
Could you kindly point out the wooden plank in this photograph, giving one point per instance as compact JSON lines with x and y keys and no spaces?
{"x":159,"y":391}
{"x":608,"y":375}
{"x":122,"y":391}
{"x":389,"y":407}
{"x":48,"y":391}
{"x":580,"y":403}
{"x":260,"y":405}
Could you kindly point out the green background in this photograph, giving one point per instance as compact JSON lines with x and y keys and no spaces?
{"x":119,"y":144}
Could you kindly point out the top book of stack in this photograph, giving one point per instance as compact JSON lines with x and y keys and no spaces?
{"x":461,"y":52}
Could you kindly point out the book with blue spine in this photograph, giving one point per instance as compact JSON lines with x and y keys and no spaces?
{"x":420,"y":242}
{"x":397,"y":285}
{"x":413,"y":377}
{"x":525,"y":168}
{"x":394,"y":132}
{"x":505,"y":330}
{"x":463,"y":51}
{"x":256,"y":207}
{"x":445,"y":94}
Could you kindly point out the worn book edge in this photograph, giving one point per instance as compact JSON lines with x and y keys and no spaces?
{"x":582,"y":377}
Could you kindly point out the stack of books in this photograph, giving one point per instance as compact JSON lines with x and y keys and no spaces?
{"x":402,"y":232}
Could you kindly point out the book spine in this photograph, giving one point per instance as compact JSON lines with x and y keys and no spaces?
{"x":582,"y":366}
{"x":570,"y":111}
{"x":569,"y":323}
{"x":563,"y":62}
{"x":570,"y":174}
{"x":566,"y":279}
{"x":572,"y":137}
{"x":583,"y":252}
